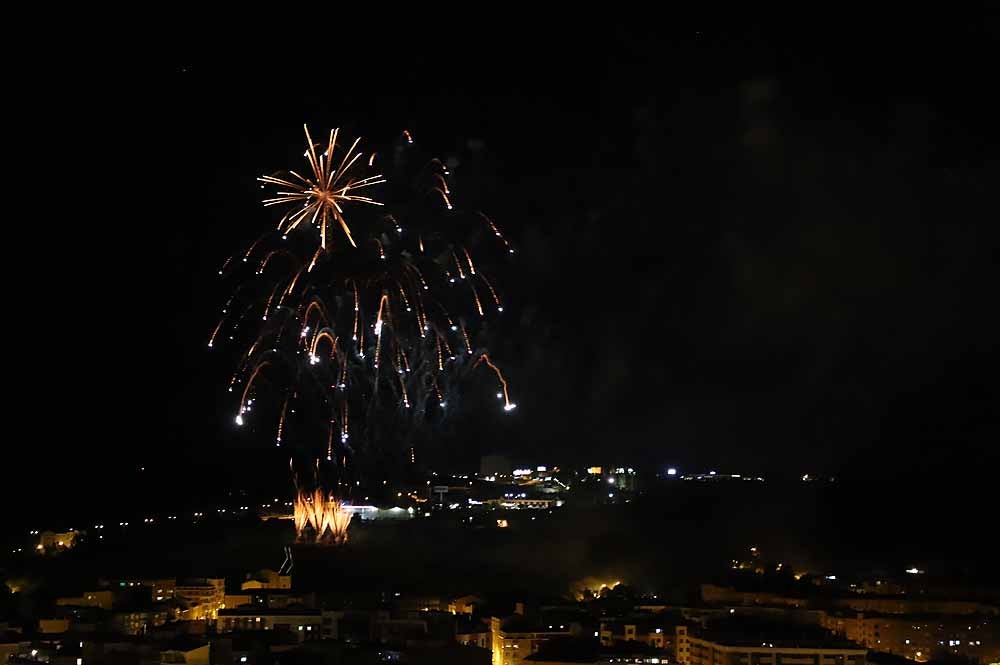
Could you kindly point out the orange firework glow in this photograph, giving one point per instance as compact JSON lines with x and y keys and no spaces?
{"x":321,"y":517}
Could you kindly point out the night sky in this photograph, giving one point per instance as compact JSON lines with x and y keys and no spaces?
{"x":764,"y":250}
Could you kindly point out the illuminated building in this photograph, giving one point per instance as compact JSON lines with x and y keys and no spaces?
{"x":267,"y":579}
{"x":303,"y":624}
{"x":916,"y":606}
{"x":185,"y":655}
{"x":277,"y":599}
{"x":233,"y":600}
{"x":519,"y":503}
{"x":102,"y":599}
{"x":921,"y":637}
{"x":202,"y":600}
{"x":718,"y":595}
{"x":578,"y":651}
{"x":139,"y":621}
{"x":412,"y":604}
{"x":754,"y":645}
{"x":636,"y":630}
{"x":55,"y":541}
{"x":160,"y":589}
{"x":57,"y":625}
{"x":622,"y":479}
{"x":516,"y":638}
{"x":464,"y":604}
{"x":473,"y":633}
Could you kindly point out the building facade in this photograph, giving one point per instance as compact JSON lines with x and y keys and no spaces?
{"x":695,"y":650}
{"x":304,"y":624}
{"x":921,"y":637}
{"x":517,"y":638}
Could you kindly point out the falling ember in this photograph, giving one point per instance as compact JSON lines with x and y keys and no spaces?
{"x":444,"y":197}
{"x":312,"y":263}
{"x":246,"y":389}
{"x":496,"y":298}
{"x":475,"y":295}
{"x":458,"y":264}
{"x":211,"y":340}
{"x":444,"y":183}
{"x":406,"y":397}
{"x":472,"y":267}
{"x":281,"y":422}
{"x":465,"y":337}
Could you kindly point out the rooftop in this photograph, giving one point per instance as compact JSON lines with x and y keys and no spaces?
{"x":268,"y":612}
{"x":572,"y":650}
{"x":740,"y":631}
{"x":524,"y":624}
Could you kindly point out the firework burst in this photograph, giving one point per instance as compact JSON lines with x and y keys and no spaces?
{"x":355,"y":345}
{"x":320,"y":198}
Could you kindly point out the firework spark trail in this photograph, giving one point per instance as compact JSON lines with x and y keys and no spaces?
{"x":246,"y":389}
{"x":497,"y":233}
{"x":378,"y":327}
{"x":475,"y":295}
{"x":211,"y":340}
{"x":507,"y":404}
{"x":281,"y":422}
{"x":496,"y":298}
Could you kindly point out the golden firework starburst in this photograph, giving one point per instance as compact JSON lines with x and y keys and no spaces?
{"x":319,"y":198}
